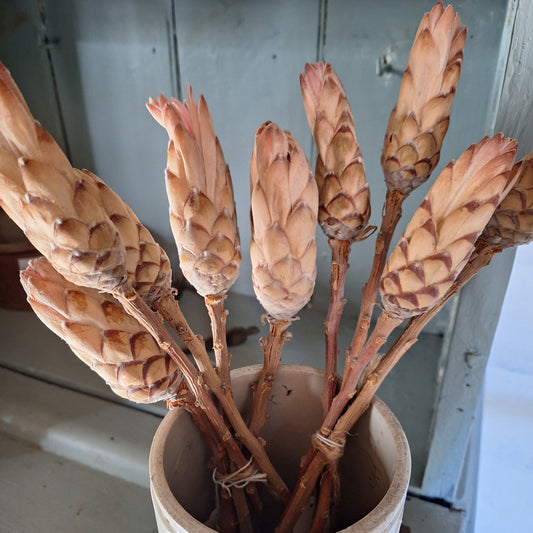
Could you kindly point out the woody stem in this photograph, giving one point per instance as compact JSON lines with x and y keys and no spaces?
{"x":272,"y":347}
{"x":340,"y":251}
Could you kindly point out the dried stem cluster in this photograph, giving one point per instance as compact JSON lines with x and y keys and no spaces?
{"x":103,"y":284}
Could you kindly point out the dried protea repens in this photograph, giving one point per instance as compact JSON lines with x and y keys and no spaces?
{"x":102,"y":335}
{"x":419,"y":121}
{"x":512,"y":222}
{"x":344,"y":200}
{"x":200,"y":193}
{"x":147,"y":264}
{"x":56,"y":206}
{"x":284,"y":204}
{"x":440,"y":237}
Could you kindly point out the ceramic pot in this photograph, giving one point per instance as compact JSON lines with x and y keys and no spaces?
{"x":374,"y":471}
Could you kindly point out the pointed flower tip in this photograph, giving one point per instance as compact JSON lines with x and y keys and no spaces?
{"x":156,"y":108}
{"x":312,"y":80}
{"x":266,"y":129}
{"x":500,"y":143}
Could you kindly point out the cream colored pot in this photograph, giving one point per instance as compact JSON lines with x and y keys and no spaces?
{"x":374,"y":471}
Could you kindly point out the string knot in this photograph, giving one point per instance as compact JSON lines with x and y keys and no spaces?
{"x":331,"y":448}
{"x":240,"y":478}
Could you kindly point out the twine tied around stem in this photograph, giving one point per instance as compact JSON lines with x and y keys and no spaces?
{"x":240,"y":478}
{"x":332,"y":450}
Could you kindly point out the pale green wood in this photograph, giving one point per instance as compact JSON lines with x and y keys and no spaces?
{"x":516,"y":103}
{"x":24,"y":51}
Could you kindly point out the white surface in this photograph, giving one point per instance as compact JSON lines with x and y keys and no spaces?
{"x":102,"y":435}
{"x":43,"y":492}
{"x":505,"y":489}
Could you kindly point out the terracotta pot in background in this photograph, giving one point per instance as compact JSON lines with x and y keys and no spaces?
{"x":374,"y":471}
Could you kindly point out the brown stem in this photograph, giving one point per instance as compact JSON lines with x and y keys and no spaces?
{"x":136,"y":307}
{"x":315,"y":461}
{"x":226,"y":520}
{"x":355,"y":361}
{"x":272,"y":347}
{"x":383,"y":328}
{"x":217,"y":314}
{"x":243,"y":513}
{"x":323,"y":506}
{"x":391,"y":215}
{"x":233,"y":509}
{"x":340,"y":251}
{"x":299,"y":497}
{"x":172,"y":313}
{"x":312,"y":463}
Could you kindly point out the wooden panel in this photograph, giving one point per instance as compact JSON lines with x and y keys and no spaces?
{"x":24,"y":51}
{"x":516,"y":104}
{"x":245,"y":57}
{"x":481,"y":300}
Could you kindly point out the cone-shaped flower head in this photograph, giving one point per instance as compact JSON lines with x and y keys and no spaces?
{"x":284,"y":204}
{"x":440,"y":237}
{"x":147,"y":264}
{"x":344,"y":199}
{"x":200,"y":193}
{"x":55,"y":205}
{"x":102,"y":335}
{"x":419,"y":121}
{"x":512,"y":222}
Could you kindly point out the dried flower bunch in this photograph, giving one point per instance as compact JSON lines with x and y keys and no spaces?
{"x":103,"y":284}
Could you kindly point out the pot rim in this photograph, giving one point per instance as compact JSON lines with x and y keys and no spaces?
{"x":393,"y":498}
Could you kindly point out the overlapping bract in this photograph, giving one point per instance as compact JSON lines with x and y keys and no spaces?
{"x":147,"y":264}
{"x":284,"y":204}
{"x":419,"y":121}
{"x":102,"y":335}
{"x":512,"y":222}
{"x":344,"y":199}
{"x":57,"y":206}
{"x":440,"y":237}
{"x":200,"y":193}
